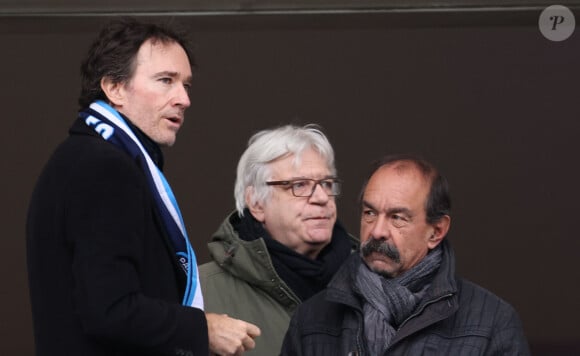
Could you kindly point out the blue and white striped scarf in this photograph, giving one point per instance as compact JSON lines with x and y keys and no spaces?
{"x":108,"y":123}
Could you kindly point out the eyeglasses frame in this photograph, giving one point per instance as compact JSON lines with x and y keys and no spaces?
{"x":290,"y":182}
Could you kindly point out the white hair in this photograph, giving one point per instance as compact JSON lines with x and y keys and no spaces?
{"x":269,"y":145}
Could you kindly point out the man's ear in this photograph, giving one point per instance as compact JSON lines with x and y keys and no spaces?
{"x":114,"y":91}
{"x":440,"y":229}
{"x":256,"y":208}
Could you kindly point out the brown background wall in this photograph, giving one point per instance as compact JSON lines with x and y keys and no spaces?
{"x":482,"y":95}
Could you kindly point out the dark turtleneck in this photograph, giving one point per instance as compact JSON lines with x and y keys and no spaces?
{"x":303,"y":275}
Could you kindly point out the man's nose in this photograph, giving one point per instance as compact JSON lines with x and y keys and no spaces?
{"x":182,"y":97}
{"x":380,"y":229}
{"x":318,"y":194}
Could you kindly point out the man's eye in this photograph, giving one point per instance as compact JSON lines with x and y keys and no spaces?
{"x":399,"y":220}
{"x":326,"y":184}
{"x":369,"y":215}
{"x":299,"y":184}
{"x":166,"y":80}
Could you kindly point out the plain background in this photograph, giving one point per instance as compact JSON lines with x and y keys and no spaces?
{"x":484,"y":96}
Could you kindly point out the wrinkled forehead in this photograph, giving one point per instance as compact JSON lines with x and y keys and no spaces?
{"x":310,"y":156}
{"x":308,"y":163}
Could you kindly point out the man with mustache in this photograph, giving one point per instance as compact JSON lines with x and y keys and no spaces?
{"x":400,"y":295}
{"x":283,"y":244}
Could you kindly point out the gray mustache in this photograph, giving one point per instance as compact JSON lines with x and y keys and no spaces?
{"x":373,"y":245}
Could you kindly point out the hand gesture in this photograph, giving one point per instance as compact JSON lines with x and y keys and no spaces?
{"x":229,"y":336}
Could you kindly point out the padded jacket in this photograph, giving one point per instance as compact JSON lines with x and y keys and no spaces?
{"x":456,"y":317}
{"x":242,"y":282}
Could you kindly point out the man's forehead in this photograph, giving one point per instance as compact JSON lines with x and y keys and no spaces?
{"x":156,"y":48}
{"x":400,"y":172}
{"x":153,"y":60}
{"x":396,"y":182}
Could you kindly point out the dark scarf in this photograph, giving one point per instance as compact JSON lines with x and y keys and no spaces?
{"x":114,"y":128}
{"x":390,"y":301}
{"x":304,"y":276}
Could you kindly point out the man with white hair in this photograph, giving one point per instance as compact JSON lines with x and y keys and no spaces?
{"x":283,"y":244}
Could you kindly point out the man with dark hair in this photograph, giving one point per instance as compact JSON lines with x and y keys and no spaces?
{"x":400,"y":295}
{"x":111,"y":269}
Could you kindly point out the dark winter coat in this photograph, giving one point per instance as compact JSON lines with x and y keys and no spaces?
{"x":456,"y":317}
{"x":103,"y":277}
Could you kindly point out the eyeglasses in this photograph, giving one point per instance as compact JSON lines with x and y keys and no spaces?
{"x":304,"y":187}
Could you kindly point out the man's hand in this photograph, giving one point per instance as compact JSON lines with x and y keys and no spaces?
{"x":229,"y":336}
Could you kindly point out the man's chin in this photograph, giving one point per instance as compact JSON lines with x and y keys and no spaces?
{"x":379,"y":266}
{"x":319,"y":242}
{"x":319,"y":238}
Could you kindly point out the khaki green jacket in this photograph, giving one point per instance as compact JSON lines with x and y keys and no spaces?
{"x":247,"y":287}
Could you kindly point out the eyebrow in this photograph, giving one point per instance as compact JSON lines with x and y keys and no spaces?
{"x":390,"y":211}
{"x":368,"y":205}
{"x":167,"y":73}
{"x":304,"y":177}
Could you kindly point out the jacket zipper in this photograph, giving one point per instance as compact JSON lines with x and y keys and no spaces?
{"x":359,"y":345}
{"x":419,"y":311}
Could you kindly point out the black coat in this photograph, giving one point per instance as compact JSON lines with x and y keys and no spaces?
{"x":102,"y":273}
{"x":455,"y":317}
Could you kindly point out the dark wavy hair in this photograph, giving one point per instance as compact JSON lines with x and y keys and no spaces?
{"x":438,"y":202}
{"x":114,"y":51}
